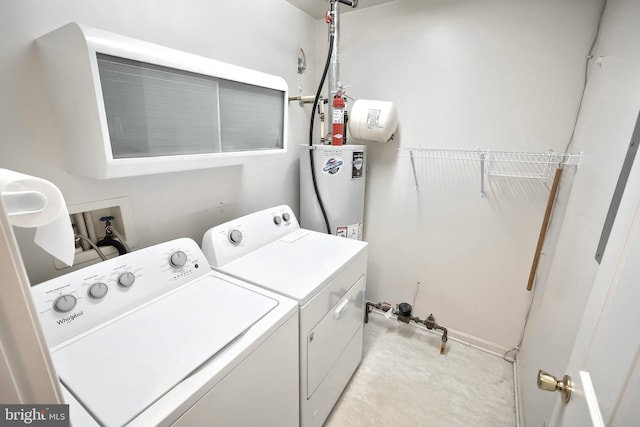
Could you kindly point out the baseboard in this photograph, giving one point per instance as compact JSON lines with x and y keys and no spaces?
{"x":463,"y":338}
{"x":517,"y":396}
{"x":479,"y":343}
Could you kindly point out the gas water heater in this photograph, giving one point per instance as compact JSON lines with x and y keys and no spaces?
{"x":340,"y":173}
{"x":332,"y":177}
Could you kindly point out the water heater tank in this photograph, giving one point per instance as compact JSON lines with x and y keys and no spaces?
{"x":373,"y":120}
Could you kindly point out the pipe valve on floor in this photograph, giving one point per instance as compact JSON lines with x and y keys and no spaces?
{"x":402,"y":312}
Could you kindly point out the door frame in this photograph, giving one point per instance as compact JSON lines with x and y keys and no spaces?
{"x":26,"y":372}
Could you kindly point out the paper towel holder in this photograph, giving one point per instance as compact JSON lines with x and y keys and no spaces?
{"x":24,"y":202}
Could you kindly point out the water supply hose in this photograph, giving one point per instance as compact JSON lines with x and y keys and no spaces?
{"x":93,"y":245}
{"x":108,"y":239}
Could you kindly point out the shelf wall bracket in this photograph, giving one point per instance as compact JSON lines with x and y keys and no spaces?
{"x":413,"y":167}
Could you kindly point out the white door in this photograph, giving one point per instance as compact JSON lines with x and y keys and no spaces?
{"x":26,"y":373}
{"x":608,"y":342}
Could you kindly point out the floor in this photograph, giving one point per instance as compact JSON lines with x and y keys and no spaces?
{"x":403,"y":380}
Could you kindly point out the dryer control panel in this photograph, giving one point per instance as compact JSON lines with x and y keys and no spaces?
{"x":231,"y":240}
{"x":76,"y":302}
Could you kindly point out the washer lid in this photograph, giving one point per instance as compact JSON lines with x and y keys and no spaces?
{"x":120,"y":369}
{"x":298,"y":264}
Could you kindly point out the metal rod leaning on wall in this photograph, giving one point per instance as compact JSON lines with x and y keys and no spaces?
{"x":545,"y":225}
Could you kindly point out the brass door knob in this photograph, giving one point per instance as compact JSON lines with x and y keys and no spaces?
{"x":548,"y":382}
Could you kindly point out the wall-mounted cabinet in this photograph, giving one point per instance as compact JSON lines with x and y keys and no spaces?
{"x":127,"y":107}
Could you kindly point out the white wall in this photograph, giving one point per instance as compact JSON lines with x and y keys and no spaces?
{"x":495,"y":74}
{"x":498,"y":75}
{"x":264,"y":36}
{"x":605,"y":126}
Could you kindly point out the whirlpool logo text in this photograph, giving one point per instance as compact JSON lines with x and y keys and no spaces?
{"x":70,"y":318}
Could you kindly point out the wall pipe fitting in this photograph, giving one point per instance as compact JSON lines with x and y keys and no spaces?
{"x":402,"y":312}
{"x":304,"y":99}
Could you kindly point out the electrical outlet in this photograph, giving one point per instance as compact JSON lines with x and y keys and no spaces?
{"x":86,"y":218}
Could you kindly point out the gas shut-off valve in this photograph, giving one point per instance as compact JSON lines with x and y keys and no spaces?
{"x":402,"y":312}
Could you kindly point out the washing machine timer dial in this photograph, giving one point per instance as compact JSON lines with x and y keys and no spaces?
{"x":64,"y":303}
{"x":178,"y":259}
{"x":235,"y":236}
{"x":286,"y":216}
{"x":277,"y":220}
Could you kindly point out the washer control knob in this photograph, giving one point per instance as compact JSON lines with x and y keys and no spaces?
{"x":178,"y":259}
{"x":64,"y":303}
{"x":126,"y":279}
{"x":277,"y":220}
{"x":235,"y":237}
{"x":286,"y":216}
{"x":98,"y":290}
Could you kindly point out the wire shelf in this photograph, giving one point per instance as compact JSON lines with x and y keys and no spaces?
{"x":516,"y":164}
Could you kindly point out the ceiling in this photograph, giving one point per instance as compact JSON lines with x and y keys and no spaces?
{"x":318,"y":8}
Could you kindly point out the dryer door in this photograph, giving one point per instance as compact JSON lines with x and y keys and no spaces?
{"x":328,"y":339}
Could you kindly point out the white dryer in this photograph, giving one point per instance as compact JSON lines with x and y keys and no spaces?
{"x":324,"y":273}
{"x":156,"y":338}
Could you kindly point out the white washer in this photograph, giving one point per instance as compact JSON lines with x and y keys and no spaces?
{"x":155,"y":337}
{"x":324,"y":273}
